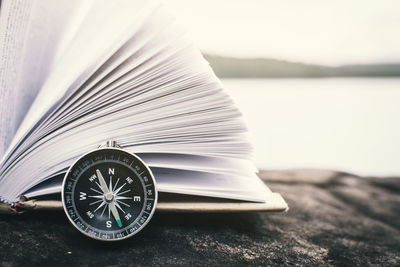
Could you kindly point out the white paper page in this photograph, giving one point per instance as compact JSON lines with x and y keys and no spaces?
{"x":153,"y":97}
{"x":43,"y":29}
{"x":45,"y":38}
{"x":85,"y":54}
{"x":152,"y":106}
{"x":108,"y":97}
{"x":206,"y":184}
{"x":198,"y":163}
{"x":14,"y":21}
{"x":120,"y":57}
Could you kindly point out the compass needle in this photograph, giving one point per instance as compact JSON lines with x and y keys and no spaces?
{"x":114,"y":211}
{"x":99,"y":185}
{"x":102,"y":182}
{"x":110,"y":187}
{"x":118,"y":206}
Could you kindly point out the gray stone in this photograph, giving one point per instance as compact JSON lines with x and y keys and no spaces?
{"x":339,"y":220}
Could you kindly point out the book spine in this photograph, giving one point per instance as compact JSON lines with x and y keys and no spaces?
{"x":5,"y":201}
{"x":8,"y":207}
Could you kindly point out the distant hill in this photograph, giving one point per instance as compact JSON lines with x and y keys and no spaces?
{"x":229,"y":67}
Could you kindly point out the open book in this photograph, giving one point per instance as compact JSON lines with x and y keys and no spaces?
{"x":74,"y":74}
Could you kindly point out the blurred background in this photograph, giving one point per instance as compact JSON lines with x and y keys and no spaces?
{"x":317,"y":81}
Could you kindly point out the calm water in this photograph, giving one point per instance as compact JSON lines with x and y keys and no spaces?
{"x":349,"y":124}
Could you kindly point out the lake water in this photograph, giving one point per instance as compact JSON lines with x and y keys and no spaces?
{"x":348,"y":124}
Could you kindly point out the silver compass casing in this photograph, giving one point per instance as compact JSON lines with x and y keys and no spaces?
{"x":143,"y":175}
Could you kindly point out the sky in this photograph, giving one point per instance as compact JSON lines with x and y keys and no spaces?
{"x":310,"y":31}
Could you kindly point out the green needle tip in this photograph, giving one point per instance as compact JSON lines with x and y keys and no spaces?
{"x":119,"y":222}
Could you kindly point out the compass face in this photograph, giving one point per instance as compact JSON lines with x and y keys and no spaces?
{"x":109,"y":194}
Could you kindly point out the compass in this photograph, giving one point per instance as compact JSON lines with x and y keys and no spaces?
{"x":109,"y":194}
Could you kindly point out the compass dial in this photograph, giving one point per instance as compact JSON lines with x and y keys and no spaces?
{"x":109,"y":194}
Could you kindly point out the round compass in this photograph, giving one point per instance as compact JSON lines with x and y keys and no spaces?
{"x":109,"y":194}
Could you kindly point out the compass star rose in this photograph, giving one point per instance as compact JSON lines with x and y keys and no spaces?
{"x":110,"y":197}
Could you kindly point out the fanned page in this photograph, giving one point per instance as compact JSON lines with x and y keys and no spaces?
{"x":31,"y":35}
{"x":125,"y":71}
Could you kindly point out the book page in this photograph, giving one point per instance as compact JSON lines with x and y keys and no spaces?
{"x":84,"y":54}
{"x":130,"y":74}
{"x":14,"y":21}
{"x":180,"y":181}
{"x":33,"y":34}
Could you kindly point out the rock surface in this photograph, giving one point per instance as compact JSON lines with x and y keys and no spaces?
{"x":334,"y":219}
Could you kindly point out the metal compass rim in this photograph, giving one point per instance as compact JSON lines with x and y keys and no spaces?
{"x":112,"y":148}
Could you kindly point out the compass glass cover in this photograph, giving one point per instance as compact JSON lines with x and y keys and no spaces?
{"x":109,"y":194}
